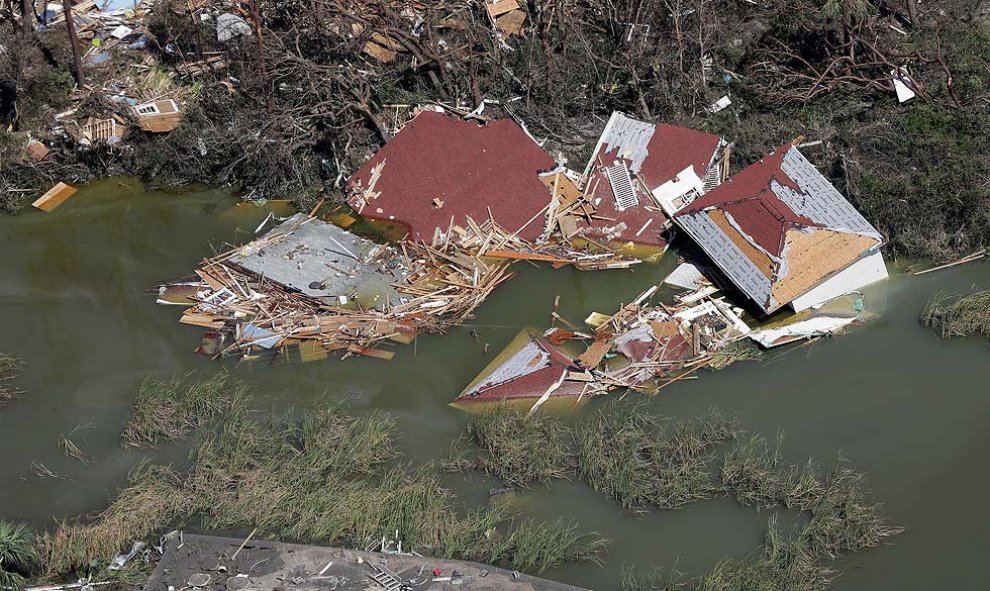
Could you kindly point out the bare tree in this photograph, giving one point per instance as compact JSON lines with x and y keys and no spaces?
{"x":74,"y":42}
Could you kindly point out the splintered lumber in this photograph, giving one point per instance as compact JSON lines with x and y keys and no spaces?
{"x":55,"y":196}
{"x":596,"y":352}
{"x":524,"y":256}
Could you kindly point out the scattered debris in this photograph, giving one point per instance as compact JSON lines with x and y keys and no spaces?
{"x":161,"y":116}
{"x":902,"y":85}
{"x":36,"y":150}
{"x":720,"y":104}
{"x":315,"y":288}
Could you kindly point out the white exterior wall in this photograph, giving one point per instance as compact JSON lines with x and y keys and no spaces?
{"x":867,"y":270}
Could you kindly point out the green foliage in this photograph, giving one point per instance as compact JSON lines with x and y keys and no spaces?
{"x":17,"y":554}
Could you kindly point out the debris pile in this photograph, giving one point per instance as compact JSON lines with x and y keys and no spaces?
{"x":316,"y":288}
{"x":632,"y":348}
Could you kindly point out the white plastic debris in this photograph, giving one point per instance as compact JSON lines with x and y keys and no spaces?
{"x":901,"y":85}
{"x":230,"y":25}
{"x":121,"y":32}
{"x":720,"y":104}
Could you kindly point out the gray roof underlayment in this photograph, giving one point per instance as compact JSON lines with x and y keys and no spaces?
{"x":322,"y":260}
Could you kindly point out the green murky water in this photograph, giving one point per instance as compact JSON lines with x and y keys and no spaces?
{"x":907,"y":409}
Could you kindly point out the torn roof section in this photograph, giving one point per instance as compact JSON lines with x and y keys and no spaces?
{"x":438,"y":170}
{"x":778,"y":229}
{"x":638,"y":168}
{"x":322,"y":260}
{"x":526,"y":368}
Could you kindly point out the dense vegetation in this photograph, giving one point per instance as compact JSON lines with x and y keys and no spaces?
{"x":297,"y":115}
{"x":647,"y":462}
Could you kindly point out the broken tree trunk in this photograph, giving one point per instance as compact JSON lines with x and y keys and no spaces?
{"x":27,"y":25}
{"x":912,"y":6}
{"x":71,"y":26}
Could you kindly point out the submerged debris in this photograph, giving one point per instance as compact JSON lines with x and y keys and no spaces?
{"x":9,"y":368}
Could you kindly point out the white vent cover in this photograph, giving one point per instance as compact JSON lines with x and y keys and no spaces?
{"x":622,"y":187}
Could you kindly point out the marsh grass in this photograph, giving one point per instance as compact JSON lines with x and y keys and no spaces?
{"x":17,"y":554}
{"x":169,"y":409}
{"x":9,"y":368}
{"x":643,"y":460}
{"x":323,"y":476}
{"x":515,"y":447}
{"x":841,"y":516}
{"x":152,"y":499}
{"x":953,"y":315}
{"x":753,"y":472}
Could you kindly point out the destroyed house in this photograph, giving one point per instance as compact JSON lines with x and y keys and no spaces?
{"x":529,"y":367}
{"x":439,"y":171}
{"x":784,"y":235}
{"x":641,"y":173}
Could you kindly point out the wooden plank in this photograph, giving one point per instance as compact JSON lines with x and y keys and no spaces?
{"x":55,"y":196}
{"x":204,"y":320}
{"x":524,"y":256}
{"x":511,"y":23}
{"x":371,"y":352}
{"x":596,"y":352}
{"x":500,"y":7}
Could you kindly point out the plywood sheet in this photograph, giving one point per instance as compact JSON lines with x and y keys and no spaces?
{"x":511,"y":23}
{"x":55,"y":196}
{"x":811,"y":257}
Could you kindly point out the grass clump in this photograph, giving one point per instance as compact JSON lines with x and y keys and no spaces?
{"x":9,"y":368}
{"x":172,"y":408}
{"x":17,"y":555}
{"x":841,"y":516}
{"x":844,"y":520}
{"x":752,"y":472}
{"x":957,"y":315}
{"x":517,"y":448}
{"x":632,"y":456}
{"x":153,"y":499}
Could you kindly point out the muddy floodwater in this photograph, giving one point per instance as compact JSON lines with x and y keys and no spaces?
{"x":907,"y":409}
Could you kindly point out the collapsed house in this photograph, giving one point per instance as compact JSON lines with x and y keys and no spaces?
{"x":641,"y":173}
{"x":438,"y":171}
{"x":783,"y":235}
{"x":309,"y":288}
{"x":632,"y":348}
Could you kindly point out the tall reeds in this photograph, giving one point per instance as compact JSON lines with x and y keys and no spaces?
{"x":515,"y":447}
{"x":642,"y":460}
{"x":169,"y":409}
{"x":954,"y":315}
{"x":323,"y":476}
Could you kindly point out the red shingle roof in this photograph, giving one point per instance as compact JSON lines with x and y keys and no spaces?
{"x":670,"y":150}
{"x":471,"y":168}
{"x":748,"y":199}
